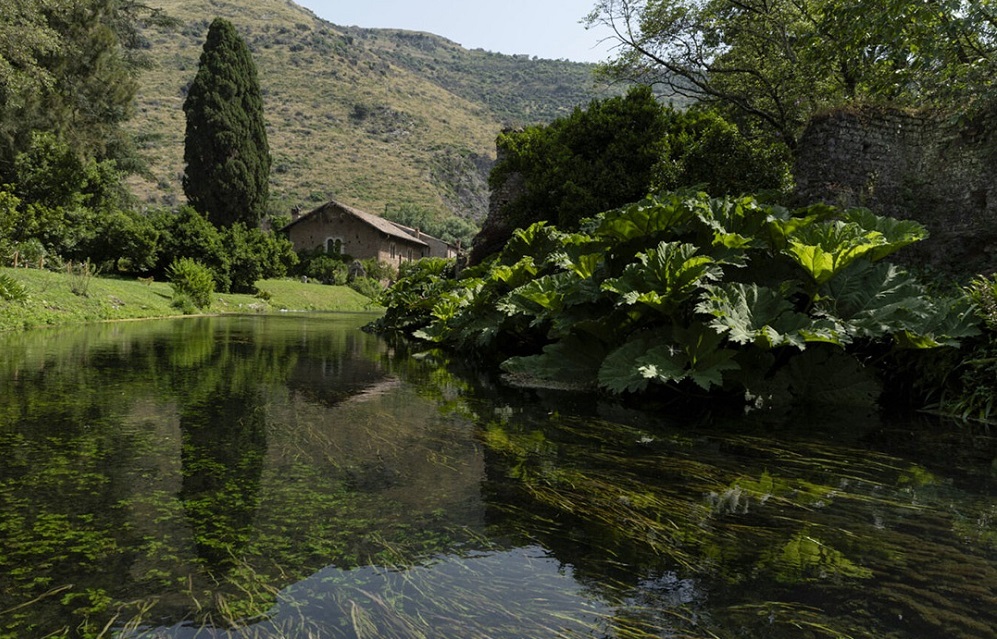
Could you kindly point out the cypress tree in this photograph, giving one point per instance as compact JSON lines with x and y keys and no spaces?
{"x":225,"y":147}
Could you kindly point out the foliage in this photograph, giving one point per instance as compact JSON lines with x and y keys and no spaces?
{"x":618,"y":150}
{"x":12,"y":290}
{"x":378,"y":270}
{"x":699,"y":294}
{"x":321,"y":267}
{"x":80,"y":275}
{"x":773,"y":64}
{"x":705,"y":150}
{"x":50,"y":173}
{"x":125,"y":242}
{"x":191,"y":281}
{"x":254,"y":254}
{"x":410,"y":300}
{"x":368,"y":287}
{"x":595,"y":159}
{"x":70,"y":70}
{"x":969,"y":384}
{"x":187,"y":233}
{"x":225,"y":147}
{"x":449,"y":228}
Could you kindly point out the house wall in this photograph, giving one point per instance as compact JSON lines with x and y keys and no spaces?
{"x":359,"y":239}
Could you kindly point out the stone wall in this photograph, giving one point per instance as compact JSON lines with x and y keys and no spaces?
{"x":497,"y":229}
{"x":936,"y":171}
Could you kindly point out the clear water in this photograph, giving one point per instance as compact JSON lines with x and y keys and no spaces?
{"x":285,"y":477}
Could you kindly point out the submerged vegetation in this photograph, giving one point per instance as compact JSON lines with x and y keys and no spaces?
{"x":721,"y":296}
{"x":278,"y":477}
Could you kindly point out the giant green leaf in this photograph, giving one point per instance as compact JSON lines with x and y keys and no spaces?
{"x":620,"y":371}
{"x":896,"y":233}
{"x":752,"y":314}
{"x":663,"y":277}
{"x":876,"y":300}
{"x":572,"y":362}
{"x":653,"y":215}
{"x":735,"y":223}
{"x":707,"y":360}
{"x":825,"y":249}
{"x":536,"y":241}
{"x":694,"y":353}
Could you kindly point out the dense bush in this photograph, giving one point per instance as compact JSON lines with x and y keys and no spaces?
{"x":721,"y":296}
{"x":327,"y":269}
{"x":616,"y":151}
{"x":595,"y":159}
{"x":255,"y":254}
{"x":125,"y":242}
{"x":192,"y":282}
{"x":368,"y":287}
{"x":189,"y":234}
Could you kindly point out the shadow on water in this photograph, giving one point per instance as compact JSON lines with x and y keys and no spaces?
{"x":297,"y":477}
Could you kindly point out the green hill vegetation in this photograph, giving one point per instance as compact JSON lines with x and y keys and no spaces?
{"x":378,"y":119}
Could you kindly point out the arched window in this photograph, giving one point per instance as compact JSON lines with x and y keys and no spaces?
{"x":334,"y":246}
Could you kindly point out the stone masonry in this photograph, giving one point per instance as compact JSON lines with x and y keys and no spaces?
{"x":927,"y":168}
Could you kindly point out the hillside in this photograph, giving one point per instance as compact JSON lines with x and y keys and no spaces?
{"x":373,"y":118}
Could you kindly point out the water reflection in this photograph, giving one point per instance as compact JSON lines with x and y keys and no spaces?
{"x":296,"y":477}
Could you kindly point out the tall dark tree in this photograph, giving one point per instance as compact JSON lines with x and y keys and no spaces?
{"x":225,"y":149}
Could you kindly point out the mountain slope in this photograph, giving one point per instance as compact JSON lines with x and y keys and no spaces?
{"x":375,"y":118}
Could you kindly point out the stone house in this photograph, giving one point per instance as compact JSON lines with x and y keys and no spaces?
{"x":341,"y":229}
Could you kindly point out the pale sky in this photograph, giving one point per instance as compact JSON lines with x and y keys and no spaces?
{"x":542,"y":28}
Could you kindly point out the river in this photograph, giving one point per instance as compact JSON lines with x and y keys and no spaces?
{"x":293,"y":476}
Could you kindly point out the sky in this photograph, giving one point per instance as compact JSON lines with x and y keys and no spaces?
{"x":542,"y":28}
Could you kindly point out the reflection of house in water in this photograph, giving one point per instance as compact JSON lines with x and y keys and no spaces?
{"x":343,"y":230}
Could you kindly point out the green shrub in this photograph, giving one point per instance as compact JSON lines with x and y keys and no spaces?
{"x":255,"y":254}
{"x":191,"y":281}
{"x":189,"y":234}
{"x":125,"y":241}
{"x":11,"y":290}
{"x":379,"y":271}
{"x":327,"y":269}
{"x":368,"y":287}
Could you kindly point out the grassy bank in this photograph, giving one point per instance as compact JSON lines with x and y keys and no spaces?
{"x":52,"y":300}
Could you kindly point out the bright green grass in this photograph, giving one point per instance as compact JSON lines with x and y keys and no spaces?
{"x":51,"y":300}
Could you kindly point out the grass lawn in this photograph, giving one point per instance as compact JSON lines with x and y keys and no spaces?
{"x":52,"y":300}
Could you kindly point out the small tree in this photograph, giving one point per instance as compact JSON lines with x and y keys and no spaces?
{"x":225,"y":148}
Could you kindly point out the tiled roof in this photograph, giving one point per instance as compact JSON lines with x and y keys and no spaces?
{"x":385,"y":226}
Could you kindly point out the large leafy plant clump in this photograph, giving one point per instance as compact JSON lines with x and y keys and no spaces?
{"x":699,"y":294}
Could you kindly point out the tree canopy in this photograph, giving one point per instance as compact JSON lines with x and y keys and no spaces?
{"x":614,"y":152}
{"x":225,"y":148}
{"x":773,"y":63}
{"x":68,"y":69}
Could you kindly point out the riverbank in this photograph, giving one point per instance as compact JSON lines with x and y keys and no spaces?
{"x":52,"y":301}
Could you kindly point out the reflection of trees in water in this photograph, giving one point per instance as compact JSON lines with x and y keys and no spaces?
{"x":223,"y":450}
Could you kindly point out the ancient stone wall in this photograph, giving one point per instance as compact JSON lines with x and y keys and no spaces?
{"x":497,"y":229}
{"x":927,"y":168}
